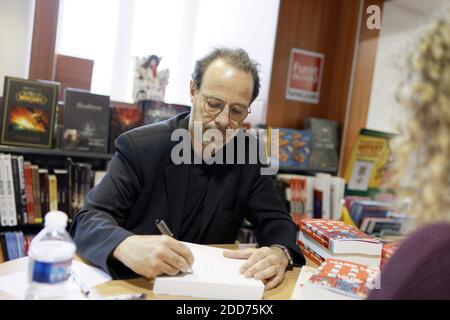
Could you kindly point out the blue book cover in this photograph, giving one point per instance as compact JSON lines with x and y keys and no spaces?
{"x":11,"y":245}
{"x":294,"y":148}
{"x":20,"y":244}
{"x":364,"y":209}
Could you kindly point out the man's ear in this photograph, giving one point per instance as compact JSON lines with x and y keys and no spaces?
{"x":192,"y":90}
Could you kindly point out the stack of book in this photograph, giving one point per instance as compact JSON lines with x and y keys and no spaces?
{"x":312,"y":197}
{"x":323,"y":239}
{"x":376,"y":217}
{"x":13,"y":245}
{"x":28,"y":192}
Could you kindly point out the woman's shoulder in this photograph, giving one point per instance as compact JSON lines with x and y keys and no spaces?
{"x":420,"y":268}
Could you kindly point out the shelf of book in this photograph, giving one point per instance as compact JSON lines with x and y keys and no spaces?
{"x":54,"y":152}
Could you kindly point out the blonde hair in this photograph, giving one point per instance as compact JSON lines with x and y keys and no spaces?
{"x":422,"y":150}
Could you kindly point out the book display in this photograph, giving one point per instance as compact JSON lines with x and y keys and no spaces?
{"x":28,"y":113}
{"x":85,"y":124}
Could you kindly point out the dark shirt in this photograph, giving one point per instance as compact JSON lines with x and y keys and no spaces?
{"x":199,"y":175}
{"x":420,"y":268}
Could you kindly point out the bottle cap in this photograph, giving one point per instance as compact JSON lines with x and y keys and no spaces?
{"x":55,"y":220}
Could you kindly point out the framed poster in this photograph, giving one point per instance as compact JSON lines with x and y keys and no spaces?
{"x":304,"y":76}
{"x":28,"y":113}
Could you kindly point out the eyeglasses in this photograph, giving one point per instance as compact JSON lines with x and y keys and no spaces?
{"x":214,"y":108}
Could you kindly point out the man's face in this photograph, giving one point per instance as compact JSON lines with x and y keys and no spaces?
{"x":222,"y":84}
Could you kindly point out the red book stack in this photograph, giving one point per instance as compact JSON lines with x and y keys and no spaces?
{"x":322,"y":239}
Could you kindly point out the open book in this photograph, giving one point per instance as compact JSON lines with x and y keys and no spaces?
{"x":213,"y":276}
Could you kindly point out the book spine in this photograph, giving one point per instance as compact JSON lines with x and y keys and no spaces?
{"x":70,"y":187}
{"x":310,"y":254}
{"x":23,"y":197}
{"x":2,"y":254}
{"x":53,"y":192}
{"x":36,"y":194}
{"x":44,"y":196}
{"x":3,"y":211}
{"x":62,"y":187}
{"x":11,"y":202}
{"x":321,"y":240}
{"x":16,"y":189}
{"x":29,"y":192}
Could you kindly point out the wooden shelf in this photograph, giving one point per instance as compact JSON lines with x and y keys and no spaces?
{"x":54,"y":152}
{"x":26,"y":228}
{"x":307,"y":172}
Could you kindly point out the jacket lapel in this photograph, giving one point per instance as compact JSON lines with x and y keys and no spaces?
{"x":216,"y":189}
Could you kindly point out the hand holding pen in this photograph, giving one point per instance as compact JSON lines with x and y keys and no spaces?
{"x":164,"y":229}
{"x":154,"y":255}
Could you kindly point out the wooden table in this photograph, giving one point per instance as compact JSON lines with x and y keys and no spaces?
{"x":141,"y":284}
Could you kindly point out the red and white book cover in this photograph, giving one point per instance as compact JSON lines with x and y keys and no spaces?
{"x":343,"y":277}
{"x":328,"y":232}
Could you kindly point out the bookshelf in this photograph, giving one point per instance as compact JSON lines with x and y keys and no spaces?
{"x":54,"y":152}
{"x":51,"y":159}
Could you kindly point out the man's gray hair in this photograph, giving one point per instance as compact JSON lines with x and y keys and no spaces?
{"x":236,"y":58}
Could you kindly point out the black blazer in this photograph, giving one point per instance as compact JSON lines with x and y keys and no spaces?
{"x":142,"y":185}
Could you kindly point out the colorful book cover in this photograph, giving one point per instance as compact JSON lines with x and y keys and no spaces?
{"x":294,"y":149}
{"x":327,"y":231}
{"x":28,"y":113}
{"x":347,"y":278}
{"x":85,"y":125}
{"x":123,"y":118}
{"x":369,"y":162}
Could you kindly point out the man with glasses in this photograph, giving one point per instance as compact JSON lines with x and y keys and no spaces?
{"x":200,"y":202}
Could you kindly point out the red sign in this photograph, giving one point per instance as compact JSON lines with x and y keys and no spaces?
{"x":304,"y":76}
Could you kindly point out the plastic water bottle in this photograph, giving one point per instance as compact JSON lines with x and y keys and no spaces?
{"x":51,"y":253}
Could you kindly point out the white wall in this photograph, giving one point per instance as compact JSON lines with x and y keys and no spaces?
{"x":16,"y":30}
{"x":257,"y":37}
{"x":181,"y":31}
{"x":401,"y":21}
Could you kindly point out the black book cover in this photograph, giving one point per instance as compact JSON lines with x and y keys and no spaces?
{"x":72,"y":169}
{"x":84,"y":183}
{"x":28,"y":113}
{"x":4,"y":246}
{"x":16,"y":189}
{"x":36,"y":194}
{"x":63,"y":189}
{"x":45,"y":198}
{"x":324,"y":144}
{"x":85,"y":124}
{"x":156,"y":111}
{"x":123,"y":119}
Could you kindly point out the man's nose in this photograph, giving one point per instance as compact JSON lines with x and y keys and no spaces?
{"x":223,"y":119}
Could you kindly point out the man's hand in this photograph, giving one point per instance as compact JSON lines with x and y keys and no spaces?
{"x":152,"y":256}
{"x":267,"y":264}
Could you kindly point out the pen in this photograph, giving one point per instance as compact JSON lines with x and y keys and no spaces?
{"x":80,"y":283}
{"x":164,"y":229}
{"x":133,"y":296}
